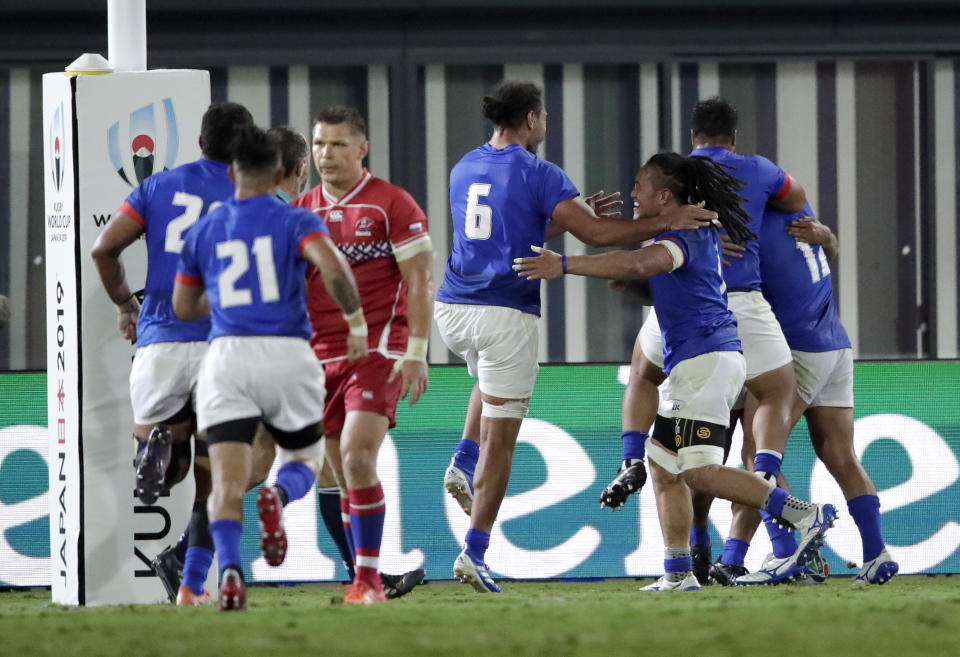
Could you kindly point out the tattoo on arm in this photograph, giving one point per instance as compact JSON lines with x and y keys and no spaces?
{"x":344,"y":293}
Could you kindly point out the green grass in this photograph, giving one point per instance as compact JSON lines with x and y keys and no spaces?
{"x":908,"y":616}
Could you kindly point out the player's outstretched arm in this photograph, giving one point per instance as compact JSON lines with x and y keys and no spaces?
{"x":338,"y":279}
{"x":120,"y":232}
{"x":810,"y":230}
{"x":579,"y":219}
{"x":417,"y":273}
{"x":616,"y":265}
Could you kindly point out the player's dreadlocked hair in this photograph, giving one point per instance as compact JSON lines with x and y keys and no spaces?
{"x":694,"y":179}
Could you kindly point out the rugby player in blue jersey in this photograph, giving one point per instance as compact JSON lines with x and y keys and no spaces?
{"x":702,"y":357}
{"x":502,"y":197}
{"x":770,"y":374}
{"x":794,"y":253}
{"x":169,"y":351}
{"x":244,"y":265}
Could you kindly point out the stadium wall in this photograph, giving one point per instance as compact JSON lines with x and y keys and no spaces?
{"x":872,"y":139}
{"x":551,"y":526}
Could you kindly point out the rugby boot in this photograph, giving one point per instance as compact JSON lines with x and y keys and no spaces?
{"x":630,"y":478}
{"x":153,"y":463}
{"x":273,"y":537}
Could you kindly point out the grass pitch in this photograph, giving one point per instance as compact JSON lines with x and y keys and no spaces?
{"x":908,"y":616}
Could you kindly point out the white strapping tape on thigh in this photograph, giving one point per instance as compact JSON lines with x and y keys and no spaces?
{"x":665,"y":459}
{"x":699,"y":456}
{"x":314,"y":452}
{"x":516,"y":410}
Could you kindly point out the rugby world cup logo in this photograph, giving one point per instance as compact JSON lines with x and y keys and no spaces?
{"x":57,"y":146}
{"x":151,"y":149}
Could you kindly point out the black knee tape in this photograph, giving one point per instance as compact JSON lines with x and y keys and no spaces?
{"x":663,"y":433}
{"x":200,"y":449}
{"x":233,"y":431}
{"x":299,"y":439}
{"x":691,"y":433}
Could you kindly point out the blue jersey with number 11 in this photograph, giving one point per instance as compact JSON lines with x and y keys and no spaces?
{"x":247,"y":254}
{"x":798,"y":285}
{"x":501,"y":201}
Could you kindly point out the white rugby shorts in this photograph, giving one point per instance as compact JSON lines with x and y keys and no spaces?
{"x":499,"y":345}
{"x":825,"y":378}
{"x":704,"y":388}
{"x":761,"y":338}
{"x":276,"y":378}
{"x":163,"y":379}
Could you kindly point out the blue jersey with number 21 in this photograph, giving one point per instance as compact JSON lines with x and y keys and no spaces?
{"x":501,"y":201}
{"x":247,"y":254}
{"x":798,"y":285}
{"x":166,"y":204}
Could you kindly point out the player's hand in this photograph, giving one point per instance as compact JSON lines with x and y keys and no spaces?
{"x":730,"y":250}
{"x":548,"y":264}
{"x":690,"y":217}
{"x":127,"y":322}
{"x":414,"y":378}
{"x":605,"y":206}
{"x":356,"y":347}
{"x":810,"y":230}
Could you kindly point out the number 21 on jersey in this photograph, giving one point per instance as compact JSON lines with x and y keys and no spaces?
{"x":236,"y":251}
{"x":479,"y":219}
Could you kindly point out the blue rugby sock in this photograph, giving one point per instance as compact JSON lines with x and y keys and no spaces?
{"x":782,"y":538}
{"x":195,"y":568}
{"x":700,"y":536}
{"x":634,"y":444}
{"x":775,"y":501}
{"x":226,"y":537}
{"x":477,"y":543}
{"x":734,"y":552}
{"x":296,"y":479}
{"x":865,"y":511}
{"x":466,"y":455}
{"x":330,"y":512}
{"x":768,"y":461}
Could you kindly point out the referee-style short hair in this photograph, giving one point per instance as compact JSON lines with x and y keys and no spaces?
{"x":337,"y":114}
{"x":293,"y":147}
{"x":713,"y":117}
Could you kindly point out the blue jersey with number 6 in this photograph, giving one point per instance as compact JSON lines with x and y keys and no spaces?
{"x":248,"y":256}
{"x":798,"y":285}
{"x":166,"y":204}
{"x":501,"y":201}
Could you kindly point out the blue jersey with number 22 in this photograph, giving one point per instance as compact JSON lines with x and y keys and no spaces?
{"x":501,"y":201}
{"x":247,"y":254}
{"x":166,"y":204}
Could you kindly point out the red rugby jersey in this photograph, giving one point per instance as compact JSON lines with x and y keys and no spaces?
{"x":371,"y":223}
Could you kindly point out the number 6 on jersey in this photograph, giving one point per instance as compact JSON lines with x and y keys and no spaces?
{"x":479,"y":217}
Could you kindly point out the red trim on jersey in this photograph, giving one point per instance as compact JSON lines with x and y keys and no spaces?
{"x":787,"y":183}
{"x":309,"y":238}
{"x":128,"y":210}
{"x":186,"y":279}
